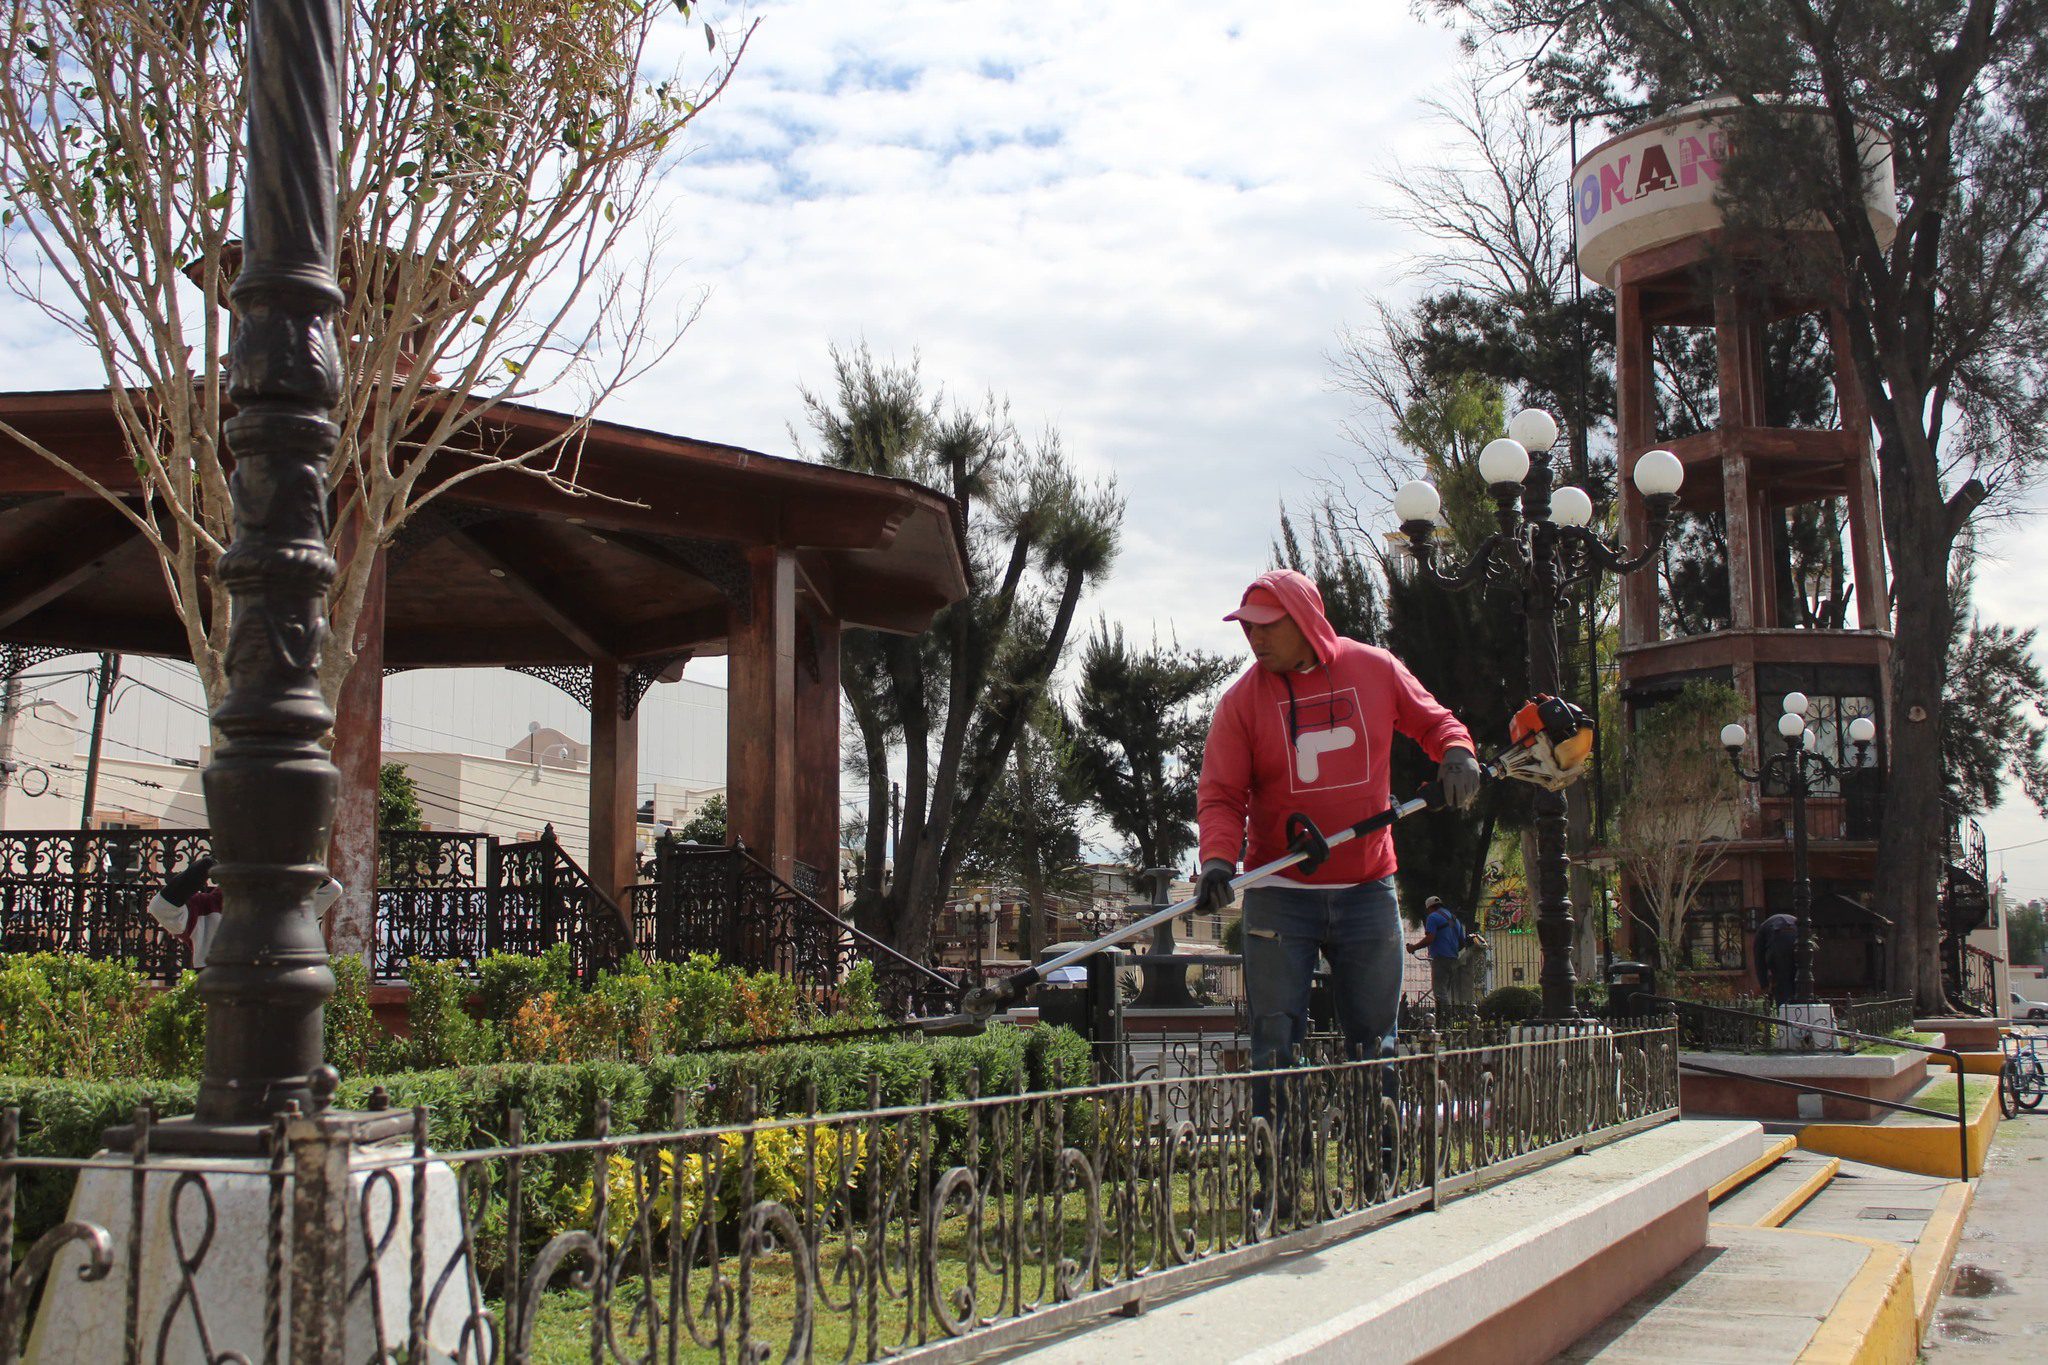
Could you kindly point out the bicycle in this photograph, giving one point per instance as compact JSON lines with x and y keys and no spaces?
{"x":2022,"y":1078}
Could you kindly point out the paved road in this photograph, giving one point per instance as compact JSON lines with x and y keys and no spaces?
{"x":1996,"y":1307}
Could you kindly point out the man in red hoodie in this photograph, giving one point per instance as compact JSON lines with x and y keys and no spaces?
{"x":1309,"y":729}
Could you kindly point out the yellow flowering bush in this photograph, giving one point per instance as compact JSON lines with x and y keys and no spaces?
{"x":649,"y":1176}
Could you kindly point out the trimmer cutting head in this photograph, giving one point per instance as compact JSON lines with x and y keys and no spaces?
{"x":1549,"y":742}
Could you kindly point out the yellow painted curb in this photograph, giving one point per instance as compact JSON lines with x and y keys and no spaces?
{"x":1937,"y":1248}
{"x":1976,"y":1063}
{"x":1872,"y":1323}
{"x":1772,"y":1155}
{"x":1923,"y":1148}
{"x":1815,"y":1182}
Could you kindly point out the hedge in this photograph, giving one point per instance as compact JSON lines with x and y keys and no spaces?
{"x":467,"y":1107}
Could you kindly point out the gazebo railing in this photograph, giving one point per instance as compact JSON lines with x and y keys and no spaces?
{"x":728,"y":904}
{"x":460,"y":897}
{"x":542,"y":897}
{"x":72,"y":891}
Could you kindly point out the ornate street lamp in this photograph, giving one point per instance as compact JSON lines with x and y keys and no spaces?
{"x":270,"y":788}
{"x":1797,"y":768}
{"x":1543,"y":549}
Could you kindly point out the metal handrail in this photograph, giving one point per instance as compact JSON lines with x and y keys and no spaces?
{"x":1955,"y":1057}
{"x":864,"y":938}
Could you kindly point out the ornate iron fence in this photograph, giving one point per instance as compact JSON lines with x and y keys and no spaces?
{"x":1751,"y":1024}
{"x":88,"y":893}
{"x":940,"y":1230}
{"x":1876,"y":1014}
{"x":541,"y":897}
{"x":1970,"y":976}
{"x":726,"y":903}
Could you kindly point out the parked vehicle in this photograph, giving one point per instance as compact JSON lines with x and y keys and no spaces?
{"x":2023,"y":1008}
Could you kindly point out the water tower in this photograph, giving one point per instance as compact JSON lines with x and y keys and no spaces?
{"x":1774,"y":621}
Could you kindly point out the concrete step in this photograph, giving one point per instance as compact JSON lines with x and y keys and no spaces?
{"x":1921,"y":1215}
{"x":1767,"y":1150}
{"x":1765,"y":1296}
{"x":1778,"y":1192}
{"x":1514,"y":1272}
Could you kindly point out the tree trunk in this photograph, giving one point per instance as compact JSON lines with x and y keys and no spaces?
{"x":1909,"y":854}
{"x":1920,"y":529}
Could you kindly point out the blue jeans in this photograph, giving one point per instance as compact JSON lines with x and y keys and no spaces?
{"x":1358,"y":928}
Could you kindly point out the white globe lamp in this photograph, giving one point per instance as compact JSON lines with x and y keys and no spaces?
{"x":1791,"y":724}
{"x":1417,"y":500}
{"x":1570,"y":506}
{"x":1862,"y":730}
{"x":1503,"y":462}
{"x":1534,"y":428}
{"x":1733,"y":736}
{"x":1658,"y":474}
{"x":1796,"y":703}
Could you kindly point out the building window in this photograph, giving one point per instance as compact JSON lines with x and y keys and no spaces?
{"x":124,"y":820}
{"x":1712,"y":938}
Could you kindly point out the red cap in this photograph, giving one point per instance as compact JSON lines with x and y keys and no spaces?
{"x":1260,"y":607}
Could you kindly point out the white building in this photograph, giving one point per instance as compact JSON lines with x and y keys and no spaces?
{"x":489,"y":751}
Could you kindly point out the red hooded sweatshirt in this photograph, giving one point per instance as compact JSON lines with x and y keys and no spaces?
{"x":1317,"y":742}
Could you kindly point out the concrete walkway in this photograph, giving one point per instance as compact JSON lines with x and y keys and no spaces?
{"x":1996,"y":1307}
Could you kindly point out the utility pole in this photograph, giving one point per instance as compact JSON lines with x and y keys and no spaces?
{"x":10,"y":706}
{"x":110,"y":669}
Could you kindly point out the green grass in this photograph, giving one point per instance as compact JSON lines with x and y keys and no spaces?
{"x":1904,"y":1036}
{"x":563,"y":1324}
{"x":1941,"y":1095}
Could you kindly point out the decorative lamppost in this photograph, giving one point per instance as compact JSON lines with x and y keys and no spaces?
{"x":1543,"y":549}
{"x":1796,"y":769}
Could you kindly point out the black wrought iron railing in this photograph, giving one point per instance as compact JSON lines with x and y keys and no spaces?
{"x":1751,"y":1024}
{"x":461,"y":897}
{"x":1883,"y":1015}
{"x":945,"y":1229}
{"x":544,"y":897}
{"x":64,"y":891}
{"x":728,"y":904}
{"x":1969,"y":976}
{"x":1966,"y":850}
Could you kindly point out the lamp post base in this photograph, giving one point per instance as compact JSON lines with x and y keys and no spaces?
{"x":209,"y":1226}
{"x":1794,"y":1036}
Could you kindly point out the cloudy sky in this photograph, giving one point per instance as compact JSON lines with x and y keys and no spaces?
{"x":1147,"y":233}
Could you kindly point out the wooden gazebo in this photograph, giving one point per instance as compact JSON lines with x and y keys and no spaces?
{"x":681,"y":549}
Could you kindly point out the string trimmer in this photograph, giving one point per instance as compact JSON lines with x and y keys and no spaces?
{"x":1549,"y":740}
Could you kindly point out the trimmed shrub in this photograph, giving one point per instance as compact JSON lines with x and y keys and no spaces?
{"x":1510,"y":1005}
{"x":64,"y":1015}
{"x":469,"y":1107}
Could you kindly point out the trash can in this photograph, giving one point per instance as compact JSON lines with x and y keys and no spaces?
{"x":1626,"y":982}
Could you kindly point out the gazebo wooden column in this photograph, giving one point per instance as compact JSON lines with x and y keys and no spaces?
{"x":761,"y":726}
{"x":359,"y":753}
{"x":614,"y":779}
{"x":817,"y":748}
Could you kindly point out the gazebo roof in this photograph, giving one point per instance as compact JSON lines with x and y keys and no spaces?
{"x":504,"y":568}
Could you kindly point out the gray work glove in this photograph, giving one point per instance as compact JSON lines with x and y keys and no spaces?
{"x":1458,"y":775}
{"x":1213,"y":891}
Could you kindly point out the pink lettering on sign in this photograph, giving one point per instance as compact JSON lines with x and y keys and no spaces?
{"x":1611,"y":191}
{"x":1589,"y":199}
{"x":1695,"y":158}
